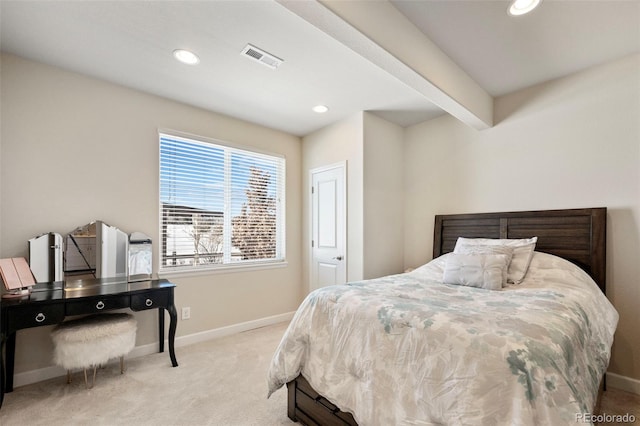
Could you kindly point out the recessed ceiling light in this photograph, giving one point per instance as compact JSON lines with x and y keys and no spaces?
{"x":186,"y":57}
{"x":320,"y":109}
{"x":520,"y":7}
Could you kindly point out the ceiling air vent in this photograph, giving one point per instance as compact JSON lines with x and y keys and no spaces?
{"x":261,"y":56}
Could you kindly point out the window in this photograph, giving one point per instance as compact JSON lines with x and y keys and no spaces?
{"x":219,"y":205}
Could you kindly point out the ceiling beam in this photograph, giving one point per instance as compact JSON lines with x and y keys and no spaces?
{"x":378,"y":32}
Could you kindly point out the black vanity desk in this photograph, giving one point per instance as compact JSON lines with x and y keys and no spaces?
{"x":50,"y":303}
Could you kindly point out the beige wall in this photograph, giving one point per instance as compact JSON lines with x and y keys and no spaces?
{"x":570,"y":143}
{"x":373,"y":150}
{"x":76,"y":149}
{"x":383,"y":197}
{"x":338,"y":142}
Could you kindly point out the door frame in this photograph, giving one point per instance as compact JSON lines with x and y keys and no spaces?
{"x":339,"y":165}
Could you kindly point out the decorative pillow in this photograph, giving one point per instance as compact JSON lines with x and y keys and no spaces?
{"x":490,"y":249}
{"x":522,"y":253}
{"x":475,"y":270}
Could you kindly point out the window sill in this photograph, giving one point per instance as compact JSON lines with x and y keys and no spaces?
{"x":226,"y":269}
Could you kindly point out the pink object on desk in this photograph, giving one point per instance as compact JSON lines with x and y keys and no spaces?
{"x":16,"y":273}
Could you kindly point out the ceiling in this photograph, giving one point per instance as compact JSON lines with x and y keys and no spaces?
{"x":504,"y":53}
{"x":131,"y":43}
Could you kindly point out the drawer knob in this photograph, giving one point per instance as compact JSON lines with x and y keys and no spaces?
{"x":40,"y":317}
{"x":148,"y":302}
{"x":100,"y":305}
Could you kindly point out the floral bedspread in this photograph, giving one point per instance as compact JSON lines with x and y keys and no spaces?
{"x":408,"y":350}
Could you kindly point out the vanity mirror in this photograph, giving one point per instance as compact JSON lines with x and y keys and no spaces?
{"x":96,"y":250}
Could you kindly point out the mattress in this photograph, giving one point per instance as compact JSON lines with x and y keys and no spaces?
{"x":408,"y":349}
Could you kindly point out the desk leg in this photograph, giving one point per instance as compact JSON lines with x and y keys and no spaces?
{"x":1,"y":370}
{"x":161,"y":329}
{"x":173,"y":315}
{"x":1,"y":383}
{"x":10,"y":355}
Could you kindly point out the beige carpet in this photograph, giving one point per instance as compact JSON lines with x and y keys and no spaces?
{"x":219,"y":382}
{"x":618,"y":402}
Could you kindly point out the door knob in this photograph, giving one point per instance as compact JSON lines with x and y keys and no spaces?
{"x":338,"y":258}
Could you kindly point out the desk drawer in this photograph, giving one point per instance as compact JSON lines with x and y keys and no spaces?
{"x":34,"y":316}
{"x":150,"y":300}
{"x":96,"y":305}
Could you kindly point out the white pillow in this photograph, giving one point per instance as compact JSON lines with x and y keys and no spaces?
{"x":522,"y":253}
{"x":475,"y":270}
{"x":490,"y":249}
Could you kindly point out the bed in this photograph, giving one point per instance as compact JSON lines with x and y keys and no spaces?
{"x":408,"y":349}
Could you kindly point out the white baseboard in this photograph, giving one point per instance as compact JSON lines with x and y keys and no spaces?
{"x":231,"y":329}
{"x":623,"y":383}
{"x":33,"y":376}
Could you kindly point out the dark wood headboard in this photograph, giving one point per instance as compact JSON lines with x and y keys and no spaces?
{"x":578,"y":235}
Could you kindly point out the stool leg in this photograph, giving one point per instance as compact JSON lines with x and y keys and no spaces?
{"x":122,"y":364}
{"x":94,"y":376}
{"x":86,"y":381}
{"x":68,"y":376}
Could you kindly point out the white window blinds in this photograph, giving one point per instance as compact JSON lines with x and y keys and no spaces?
{"x":219,"y":205}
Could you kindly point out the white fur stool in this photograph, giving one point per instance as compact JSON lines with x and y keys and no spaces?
{"x":92,"y":341}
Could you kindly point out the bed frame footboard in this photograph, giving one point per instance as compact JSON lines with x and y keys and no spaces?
{"x":306,"y":406}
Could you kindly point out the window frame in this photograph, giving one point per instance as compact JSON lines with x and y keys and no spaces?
{"x":242,"y":265}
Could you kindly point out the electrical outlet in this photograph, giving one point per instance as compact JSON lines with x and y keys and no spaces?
{"x":186,"y":313}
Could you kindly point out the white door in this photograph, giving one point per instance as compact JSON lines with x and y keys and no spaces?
{"x":328,"y":224}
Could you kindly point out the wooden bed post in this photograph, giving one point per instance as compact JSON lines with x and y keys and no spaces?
{"x":599,"y":246}
{"x":291,"y":400}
